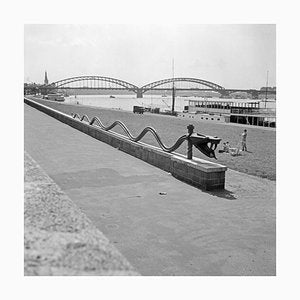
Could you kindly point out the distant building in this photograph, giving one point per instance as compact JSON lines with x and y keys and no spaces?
{"x":270,"y":89}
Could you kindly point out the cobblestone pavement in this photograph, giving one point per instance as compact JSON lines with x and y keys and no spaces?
{"x":161,"y":225}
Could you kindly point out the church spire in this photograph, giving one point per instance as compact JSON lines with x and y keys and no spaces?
{"x":46,"y":78}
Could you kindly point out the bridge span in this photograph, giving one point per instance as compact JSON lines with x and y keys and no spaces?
{"x":108,"y":83}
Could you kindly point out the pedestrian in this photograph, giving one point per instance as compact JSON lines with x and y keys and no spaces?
{"x":244,"y":138}
{"x":227,"y":146}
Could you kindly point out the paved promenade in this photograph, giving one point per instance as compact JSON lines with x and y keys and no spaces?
{"x":161,"y":225}
{"x":59,"y":238}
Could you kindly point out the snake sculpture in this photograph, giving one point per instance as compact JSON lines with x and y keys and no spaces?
{"x":204,"y":143}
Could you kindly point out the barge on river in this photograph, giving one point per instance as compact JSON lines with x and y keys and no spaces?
{"x":250,"y":112}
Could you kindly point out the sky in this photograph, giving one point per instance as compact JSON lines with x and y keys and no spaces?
{"x":233,"y":56}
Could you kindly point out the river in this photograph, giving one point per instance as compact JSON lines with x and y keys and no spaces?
{"x":126,"y":102}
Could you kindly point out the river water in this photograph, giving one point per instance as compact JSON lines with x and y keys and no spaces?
{"x":126,"y":102}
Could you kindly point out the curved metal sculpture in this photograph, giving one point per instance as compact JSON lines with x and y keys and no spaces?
{"x":209,"y":84}
{"x":206,"y":144}
{"x":63,"y":82}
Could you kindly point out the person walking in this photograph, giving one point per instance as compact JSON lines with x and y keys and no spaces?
{"x":244,"y":139}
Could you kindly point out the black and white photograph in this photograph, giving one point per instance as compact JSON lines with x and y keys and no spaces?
{"x":149,"y":151}
{"x":154,"y":154}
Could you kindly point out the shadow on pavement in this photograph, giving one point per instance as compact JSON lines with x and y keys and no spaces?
{"x":225,"y":194}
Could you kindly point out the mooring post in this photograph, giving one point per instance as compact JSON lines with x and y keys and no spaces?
{"x":190,"y":129}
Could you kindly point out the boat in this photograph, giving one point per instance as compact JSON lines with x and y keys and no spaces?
{"x":55,"y":97}
{"x":111,"y":96}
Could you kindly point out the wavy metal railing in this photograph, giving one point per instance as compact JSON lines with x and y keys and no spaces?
{"x":198,"y":140}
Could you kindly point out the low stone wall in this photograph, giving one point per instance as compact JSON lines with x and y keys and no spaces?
{"x":198,"y":172}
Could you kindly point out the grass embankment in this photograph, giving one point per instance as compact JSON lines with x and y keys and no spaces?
{"x":259,"y":161}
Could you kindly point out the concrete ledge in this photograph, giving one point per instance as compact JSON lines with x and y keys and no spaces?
{"x":198,"y":172}
{"x":59,"y":239}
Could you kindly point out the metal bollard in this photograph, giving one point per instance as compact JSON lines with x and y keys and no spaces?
{"x":190,"y":129}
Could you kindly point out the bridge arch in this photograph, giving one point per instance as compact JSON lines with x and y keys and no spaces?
{"x":66,"y":81}
{"x":154,"y":84}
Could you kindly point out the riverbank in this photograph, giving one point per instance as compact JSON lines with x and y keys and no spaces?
{"x":260,"y":160}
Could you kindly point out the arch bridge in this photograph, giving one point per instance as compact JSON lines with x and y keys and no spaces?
{"x":91,"y":82}
{"x":156,"y":85}
{"x":108,"y":83}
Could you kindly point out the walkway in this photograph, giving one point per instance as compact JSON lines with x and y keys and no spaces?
{"x":59,"y":239}
{"x":161,"y":225}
